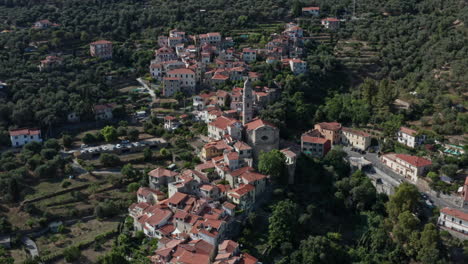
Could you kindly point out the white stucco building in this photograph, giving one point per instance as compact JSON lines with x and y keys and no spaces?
{"x":225,"y":126}
{"x":454,"y":220}
{"x":20,"y":137}
{"x":410,"y":167}
{"x":410,"y":137}
{"x":186,"y":79}
{"x":298,"y":66}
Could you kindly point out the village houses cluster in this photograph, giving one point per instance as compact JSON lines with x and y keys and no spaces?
{"x":193,"y":212}
{"x":203,"y":203}
{"x":184,"y":63}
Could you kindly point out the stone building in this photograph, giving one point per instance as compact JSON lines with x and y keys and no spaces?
{"x":261,"y":136}
{"x":247,"y":103}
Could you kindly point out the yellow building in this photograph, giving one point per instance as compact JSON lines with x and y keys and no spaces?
{"x":214,"y":149}
{"x":355,"y":138}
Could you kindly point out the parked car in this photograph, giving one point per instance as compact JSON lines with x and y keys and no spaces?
{"x":429,"y":203}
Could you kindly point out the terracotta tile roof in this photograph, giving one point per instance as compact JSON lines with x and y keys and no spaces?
{"x":254,"y":74}
{"x":101,"y":107}
{"x":356,"y":132}
{"x":215,"y":112}
{"x":206,"y":95}
{"x":193,"y":258}
{"x":142,"y":218}
{"x":156,"y":65}
{"x":310,"y":8}
{"x":455,"y":213}
{"x":288,"y":153}
{"x":141,"y":206}
{"x":334,"y":126}
{"x":181,"y":71}
{"x":242,"y":190}
{"x":331,"y":19}
{"x":232,"y":156}
{"x":222,"y":258}
{"x":219,"y":76}
{"x":181,"y":214}
{"x":45,"y":21}
{"x":207,"y":187}
{"x":256,"y":123}
{"x":222,"y":93}
{"x":248,"y":50}
{"x":248,"y":259}
{"x":205,"y":166}
{"x":25,"y":131}
{"x":167,"y":229}
{"x":223,"y":188}
{"x":240,"y":145}
{"x":229,"y":205}
{"x":164,"y":50}
{"x":145,"y":191}
{"x":240,"y":171}
{"x":408,"y":131}
{"x":169,"y":118}
{"x":158,"y":217}
{"x":316,"y":140}
{"x":223,"y":122}
{"x":414,"y":160}
{"x":228,"y":246}
{"x":297,"y":61}
{"x":100,"y":42}
{"x":252,"y":177}
{"x":194,"y":174}
{"x":161,"y":172}
{"x":201,"y":246}
{"x":177,"y":198}
{"x":294,"y":28}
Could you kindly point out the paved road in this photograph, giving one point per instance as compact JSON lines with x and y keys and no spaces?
{"x":150,"y":91}
{"x":395,"y":179}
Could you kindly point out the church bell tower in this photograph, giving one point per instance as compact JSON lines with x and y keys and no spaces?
{"x":247,"y":102}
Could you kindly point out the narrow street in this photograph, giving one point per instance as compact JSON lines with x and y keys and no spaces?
{"x":390,"y":177}
{"x":146,"y":86}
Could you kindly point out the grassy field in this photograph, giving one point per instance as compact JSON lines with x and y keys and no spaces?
{"x":79,"y":232}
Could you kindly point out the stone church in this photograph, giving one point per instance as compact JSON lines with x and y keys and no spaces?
{"x":260,"y":135}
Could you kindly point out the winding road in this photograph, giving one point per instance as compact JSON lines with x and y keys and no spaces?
{"x":389,"y":176}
